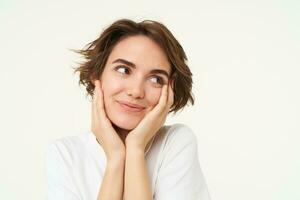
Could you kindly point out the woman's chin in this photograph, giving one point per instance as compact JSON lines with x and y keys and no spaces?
{"x":126,"y":126}
{"x":124,"y":120}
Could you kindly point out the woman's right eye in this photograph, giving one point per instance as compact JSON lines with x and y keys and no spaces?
{"x":123,"y":69}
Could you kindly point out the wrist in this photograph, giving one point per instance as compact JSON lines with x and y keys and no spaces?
{"x":134,"y":150}
{"x":116,"y":162}
{"x":134,"y":144}
{"x":116,"y":157}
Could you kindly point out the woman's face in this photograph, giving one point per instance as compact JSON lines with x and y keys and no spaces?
{"x":132,"y":80}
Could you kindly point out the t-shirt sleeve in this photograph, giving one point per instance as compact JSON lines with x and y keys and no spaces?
{"x":180,"y":176}
{"x":59,"y":182}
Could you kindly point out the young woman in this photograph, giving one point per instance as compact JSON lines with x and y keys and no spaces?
{"x":136,"y":74}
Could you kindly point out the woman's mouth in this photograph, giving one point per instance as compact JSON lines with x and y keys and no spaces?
{"x":129,"y":107}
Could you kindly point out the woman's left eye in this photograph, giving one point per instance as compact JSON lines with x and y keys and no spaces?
{"x":159,"y":80}
{"x":122,"y":69}
{"x":125,"y":70}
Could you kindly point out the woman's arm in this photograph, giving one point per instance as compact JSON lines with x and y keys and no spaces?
{"x":137,"y":183}
{"x":112,"y":183}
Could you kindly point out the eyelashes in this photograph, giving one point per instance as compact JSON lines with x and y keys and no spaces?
{"x":126,"y":71}
{"x":122,"y":67}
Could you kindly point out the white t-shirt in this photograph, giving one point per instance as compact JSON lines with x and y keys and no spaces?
{"x":75,"y":166}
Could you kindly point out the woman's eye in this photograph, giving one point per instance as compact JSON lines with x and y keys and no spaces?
{"x":157,"y":80}
{"x":122,"y":69}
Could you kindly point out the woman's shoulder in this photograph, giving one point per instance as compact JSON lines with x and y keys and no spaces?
{"x":176,"y":135}
{"x":71,"y":140}
{"x":178,"y":131}
{"x":69,"y":146}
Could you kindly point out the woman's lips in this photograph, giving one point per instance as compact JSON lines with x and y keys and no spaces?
{"x":125,"y":106}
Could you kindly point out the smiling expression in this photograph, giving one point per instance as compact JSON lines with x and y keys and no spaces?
{"x":132,"y":80}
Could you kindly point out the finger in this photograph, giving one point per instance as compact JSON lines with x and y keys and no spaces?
{"x":97,"y":94}
{"x":96,"y":105}
{"x":163,"y":98}
{"x":98,"y":113}
{"x":170,"y":96}
{"x":94,"y":101}
{"x":94,"y":112}
{"x":95,"y":121}
{"x":100,"y":95}
{"x":100,"y":101}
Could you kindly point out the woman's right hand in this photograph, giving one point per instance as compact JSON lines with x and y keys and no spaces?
{"x":106,"y":135}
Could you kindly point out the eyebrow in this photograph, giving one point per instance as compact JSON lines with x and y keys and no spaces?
{"x":153,"y":71}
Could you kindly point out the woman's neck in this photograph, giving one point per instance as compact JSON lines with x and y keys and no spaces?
{"x":121,"y":132}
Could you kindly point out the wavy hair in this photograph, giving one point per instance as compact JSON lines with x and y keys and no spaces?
{"x":97,"y":52}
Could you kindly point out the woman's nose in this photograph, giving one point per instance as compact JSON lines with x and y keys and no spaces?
{"x":136,"y":89}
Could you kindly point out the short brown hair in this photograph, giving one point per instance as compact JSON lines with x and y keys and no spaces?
{"x":97,"y":52}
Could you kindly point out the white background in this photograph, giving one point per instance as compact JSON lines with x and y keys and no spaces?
{"x":245,"y":59}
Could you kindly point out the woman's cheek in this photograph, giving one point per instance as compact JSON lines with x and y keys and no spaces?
{"x":111,"y":89}
{"x":112,"y":85}
{"x":154,"y":96}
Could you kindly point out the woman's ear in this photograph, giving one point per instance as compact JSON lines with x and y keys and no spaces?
{"x":171,"y":81}
{"x":93,"y":81}
{"x":101,"y":84}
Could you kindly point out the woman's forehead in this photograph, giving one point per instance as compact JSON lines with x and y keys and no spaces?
{"x":140,"y":51}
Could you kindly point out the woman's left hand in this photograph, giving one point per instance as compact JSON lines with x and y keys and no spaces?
{"x":152,"y":122}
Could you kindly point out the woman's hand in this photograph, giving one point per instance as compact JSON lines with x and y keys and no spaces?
{"x":152,"y":122}
{"x":106,"y":135}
